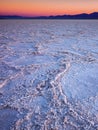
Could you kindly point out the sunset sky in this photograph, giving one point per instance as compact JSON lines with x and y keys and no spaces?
{"x":47,"y":7}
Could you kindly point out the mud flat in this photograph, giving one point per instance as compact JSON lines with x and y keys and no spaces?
{"x":48,"y":75}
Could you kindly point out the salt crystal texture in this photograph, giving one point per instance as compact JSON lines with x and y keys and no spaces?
{"x":48,"y":75}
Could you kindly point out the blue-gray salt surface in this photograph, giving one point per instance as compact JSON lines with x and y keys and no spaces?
{"x":48,"y":75}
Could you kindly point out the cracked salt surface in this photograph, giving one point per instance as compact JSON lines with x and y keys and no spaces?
{"x":48,"y":75}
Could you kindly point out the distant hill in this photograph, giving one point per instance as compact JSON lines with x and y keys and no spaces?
{"x":77,"y":16}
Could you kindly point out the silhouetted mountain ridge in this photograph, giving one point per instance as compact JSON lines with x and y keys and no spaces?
{"x":77,"y":16}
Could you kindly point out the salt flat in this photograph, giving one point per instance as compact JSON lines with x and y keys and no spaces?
{"x":48,"y":75}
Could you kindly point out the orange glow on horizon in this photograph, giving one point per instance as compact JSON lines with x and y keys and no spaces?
{"x":46,"y":8}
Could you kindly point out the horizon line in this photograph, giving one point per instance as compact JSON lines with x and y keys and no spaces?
{"x":45,"y":15}
{"x":93,"y":15}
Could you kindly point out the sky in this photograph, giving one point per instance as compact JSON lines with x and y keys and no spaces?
{"x":47,"y":7}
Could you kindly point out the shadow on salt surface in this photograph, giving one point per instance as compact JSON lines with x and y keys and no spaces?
{"x":8,"y":117}
{"x":81,"y":84}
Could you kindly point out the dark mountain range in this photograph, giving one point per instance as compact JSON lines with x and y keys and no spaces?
{"x":78,"y":16}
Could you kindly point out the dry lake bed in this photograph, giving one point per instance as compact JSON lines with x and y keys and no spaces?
{"x":48,"y":74}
